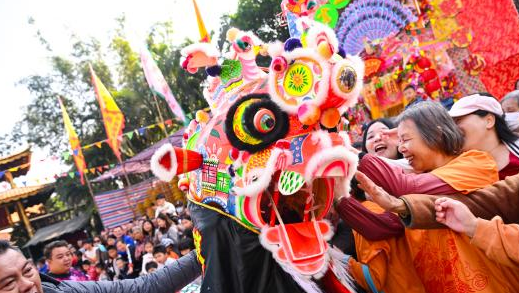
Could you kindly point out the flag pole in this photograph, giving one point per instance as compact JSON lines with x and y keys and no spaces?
{"x":91,"y":191}
{"x":125,"y":174}
{"x":160,"y":114}
{"x":114,"y":125}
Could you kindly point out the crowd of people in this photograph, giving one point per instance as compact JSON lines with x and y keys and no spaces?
{"x":426,"y":151}
{"x":124,"y":252}
{"x":430,"y":167}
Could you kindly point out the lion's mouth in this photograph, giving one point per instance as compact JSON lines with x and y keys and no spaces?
{"x":292,"y":213}
{"x":306,"y":203}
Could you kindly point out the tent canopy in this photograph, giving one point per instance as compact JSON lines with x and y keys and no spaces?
{"x":59,"y":229}
{"x":140,"y":163}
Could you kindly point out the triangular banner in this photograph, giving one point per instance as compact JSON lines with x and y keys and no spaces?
{"x":129,"y":135}
{"x":99,"y":144}
{"x":161,"y":125}
{"x":71,"y":174}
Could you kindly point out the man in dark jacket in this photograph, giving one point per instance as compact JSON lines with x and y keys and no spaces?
{"x":21,"y":276}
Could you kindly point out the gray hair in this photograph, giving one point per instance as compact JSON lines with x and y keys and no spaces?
{"x":437,"y":129}
{"x":136,"y":230}
{"x":511,"y":95}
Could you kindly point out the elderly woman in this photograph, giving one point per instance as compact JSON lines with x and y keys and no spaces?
{"x":432,"y":144}
{"x":353,"y":213}
{"x":427,"y":144}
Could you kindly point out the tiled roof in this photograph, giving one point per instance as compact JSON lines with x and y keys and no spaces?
{"x":23,"y":192}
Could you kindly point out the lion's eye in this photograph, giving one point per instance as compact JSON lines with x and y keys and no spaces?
{"x":254,"y":122}
{"x":264,"y":121}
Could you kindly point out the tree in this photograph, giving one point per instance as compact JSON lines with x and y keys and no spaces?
{"x":42,"y":125}
{"x":259,"y":16}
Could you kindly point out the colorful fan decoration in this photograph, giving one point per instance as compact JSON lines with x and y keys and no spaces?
{"x":370,"y":20}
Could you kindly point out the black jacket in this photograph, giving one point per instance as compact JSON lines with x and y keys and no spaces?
{"x":169,"y":279}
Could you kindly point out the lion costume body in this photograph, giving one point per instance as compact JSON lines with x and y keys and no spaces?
{"x":262,"y":170}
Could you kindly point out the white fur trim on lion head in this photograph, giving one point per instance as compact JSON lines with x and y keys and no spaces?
{"x":164,"y":163}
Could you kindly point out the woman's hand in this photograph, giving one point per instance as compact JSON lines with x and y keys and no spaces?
{"x":380,"y":196}
{"x":455,"y":215}
{"x":390,"y":136}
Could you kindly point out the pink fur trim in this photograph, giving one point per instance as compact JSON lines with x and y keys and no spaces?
{"x":345,"y":137}
{"x":160,"y":171}
{"x":322,"y":138}
{"x":327,"y":156}
{"x":314,"y":34}
{"x":275,"y":49}
{"x":207,"y":48}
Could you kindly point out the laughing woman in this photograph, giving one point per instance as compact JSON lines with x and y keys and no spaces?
{"x":380,"y":225}
{"x":444,"y":260}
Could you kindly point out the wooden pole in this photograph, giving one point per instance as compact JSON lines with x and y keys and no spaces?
{"x":8,"y":215}
{"x":26,"y":222}
{"x":125,"y":190}
{"x":91,"y":191}
{"x":10,"y":179}
{"x":160,"y":114}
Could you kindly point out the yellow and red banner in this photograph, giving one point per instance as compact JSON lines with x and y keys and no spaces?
{"x":75,"y":145}
{"x":113,"y":118}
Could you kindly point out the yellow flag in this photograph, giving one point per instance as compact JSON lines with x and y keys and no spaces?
{"x":113,"y":118}
{"x":75,"y":145}
{"x":204,"y":36}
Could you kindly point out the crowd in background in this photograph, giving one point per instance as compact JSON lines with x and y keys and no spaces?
{"x":124,"y":252}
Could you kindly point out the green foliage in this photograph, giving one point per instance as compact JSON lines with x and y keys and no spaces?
{"x":258,"y":16}
{"x":119,"y":68}
{"x":261,"y":17}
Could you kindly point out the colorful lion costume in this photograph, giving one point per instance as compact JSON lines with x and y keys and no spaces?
{"x":268,"y":161}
